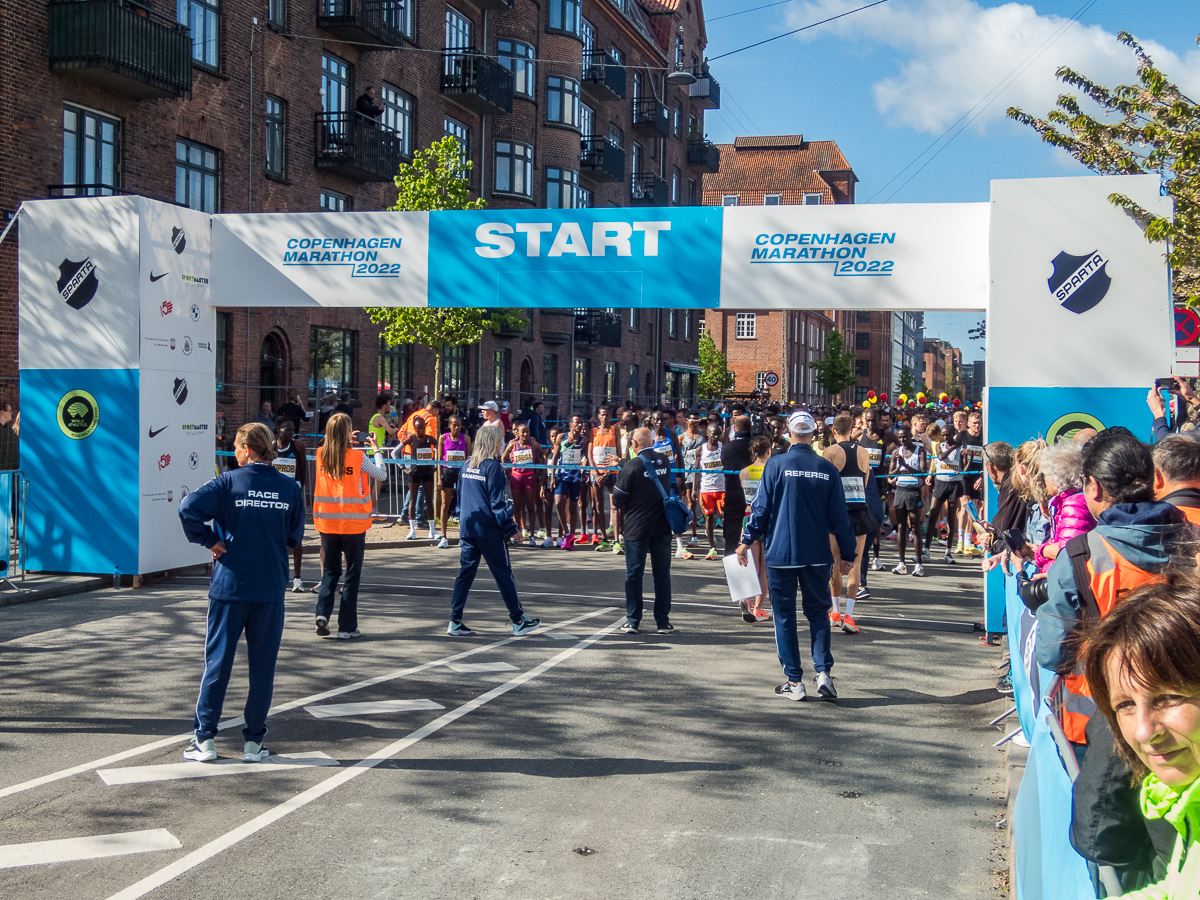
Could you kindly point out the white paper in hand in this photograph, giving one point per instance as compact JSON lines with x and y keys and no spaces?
{"x":742,"y":580}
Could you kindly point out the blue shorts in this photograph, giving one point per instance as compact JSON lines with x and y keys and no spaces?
{"x":569,"y":489}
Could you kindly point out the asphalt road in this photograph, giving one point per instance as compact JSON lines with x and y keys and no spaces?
{"x":572,"y":762}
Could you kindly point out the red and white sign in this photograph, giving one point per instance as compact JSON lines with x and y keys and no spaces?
{"x":770,"y":379}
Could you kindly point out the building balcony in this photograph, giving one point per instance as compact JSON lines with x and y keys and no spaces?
{"x":372,"y":24}
{"x":704,"y":154}
{"x":597,"y":329}
{"x":121,"y":46}
{"x":603,"y":76}
{"x":648,"y":190}
{"x":599,"y":160}
{"x":476,"y":82}
{"x":651,"y":117}
{"x":357,"y":147}
{"x":706,"y":91}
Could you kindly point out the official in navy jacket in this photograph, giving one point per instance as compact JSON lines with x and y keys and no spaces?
{"x":256,"y":514}
{"x":800,"y":503}
{"x":485,"y":525}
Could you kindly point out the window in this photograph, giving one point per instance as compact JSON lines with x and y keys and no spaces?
{"x":677,"y":121}
{"x":335,"y":84}
{"x":746,"y":326}
{"x":671,"y":322}
{"x":862,"y":340}
{"x":565,"y":16}
{"x":398,"y":115}
{"x":760,"y":381}
{"x":562,"y":100}
{"x":687,"y":324}
{"x":332,"y":201}
{"x":860,"y":394}
{"x":458,"y":32}
{"x":812,"y":199}
{"x":616,"y":136}
{"x":454,"y":128}
{"x":610,"y":382}
{"x":197,"y":179}
{"x":395,"y":367}
{"x":562,"y":188}
{"x":675,"y":177}
{"x":202,"y":17}
{"x":635,"y":319}
{"x":633,"y":382}
{"x":222,"y":350}
{"x":700,"y":328}
{"x":454,"y":369}
{"x":518,"y":59}
{"x":91,"y":152}
{"x":276,"y":122}
{"x":332,"y":353}
{"x":501,"y":364}
{"x":549,"y":373}
{"x":587,"y":120}
{"x":862,"y":368}
{"x":277,"y":13}
{"x":581,"y":386}
{"x":616,"y":54}
{"x":635,"y":159}
{"x":399,"y":14}
{"x":862,"y":316}
{"x":514,"y":168}
{"x":729,"y":200}
{"x":692,"y":198}
{"x":771,"y":200}
{"x":584,"y":198}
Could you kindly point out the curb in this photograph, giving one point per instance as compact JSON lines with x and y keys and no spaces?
{"x":62,"y":590}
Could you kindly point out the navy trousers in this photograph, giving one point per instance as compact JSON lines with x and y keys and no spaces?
{"x":813,"y":582}
{"x":659,"y":549}
{"x":494,"y":551}
{"x":263,"y":625}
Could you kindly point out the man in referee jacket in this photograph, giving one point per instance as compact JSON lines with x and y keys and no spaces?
{"x":800,"y":503}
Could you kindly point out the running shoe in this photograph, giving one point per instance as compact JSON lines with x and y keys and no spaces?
{"x":712,"y":554}
{"x":761,"y":615}
{"x":688,"y":554}
{"x":959,"y":548}
{"x":412,"y":535}
{"x":974,"y":551}
{"x":548,"y":544}
{"x":433,"y":536}
{"x":1005,"y":685}
{"x":603,"y":546}
{"x":849,"y":626}
{"x":200,"y":751}
{"x":322,"y":626}
{"x":254,"y":752}
{"x":628,"y":629}
{"x":297,"y":586}
{"x":747,"y":613}
{"x":919,"y":571}
{"x":890,"y":537}
{"x":694,"y":542}
{"x":347,"y":635}
{"x":569,"y":542}
{"x":825,"y":686}
{"x":863,"y":594}
{"x":876,"y":564}
{"x":541,"y":534}
{"x":458,"y":629}
{"x":526,"y":625}
{"x":949,"y":558}
{"x":619,"y":548}
{"x":900,"y":569}
{"x":835,"y":618}
{"x":665,"y":629}
{"x":532,"y":541}
{"x":443,"y":544}
{"x":562,"y":543}
{"x":791,"y":690}
{"x":596,"y":539}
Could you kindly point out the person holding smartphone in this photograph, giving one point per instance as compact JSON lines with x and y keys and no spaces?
{"x":1182,"y":398}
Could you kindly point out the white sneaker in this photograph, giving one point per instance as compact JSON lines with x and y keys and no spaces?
{"x":346,"y":635}
{"x":919,"y":571}
{"x":825,"y":686}
{"x":433,"y":536}
{"x":791,"y":691}
{"x":253,"y":752}
{"x":297,"y":586}
{"x":412,"y":535}
{"x":200,"y":751}
{"x":681,"y":553}
{"x":443,"y":544}
{"x":900,"y":569}
{"x":949,"y":558}
{"x":877,"y":565}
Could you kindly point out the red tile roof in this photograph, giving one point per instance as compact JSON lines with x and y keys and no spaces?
{"x":780,"y":164}
{"x":660,"y":7}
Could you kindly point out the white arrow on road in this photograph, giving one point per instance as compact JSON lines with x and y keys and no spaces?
{"x":40,"y":853}
{"x":370,"y":708}
{"x":282,"y":762}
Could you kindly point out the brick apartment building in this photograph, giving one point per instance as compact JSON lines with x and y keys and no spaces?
{"x":781,"y":170}
{"x":249,"y":105}
{"x":943,"y":367}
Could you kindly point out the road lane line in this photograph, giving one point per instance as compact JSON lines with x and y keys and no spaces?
{"x":370,"y":708}
{"x":564,"y":598}
{"x":258,"y":823}
{"x":481,"y":668}
{"x":303,"y":701}
{"x":282,"y":762}
{"x":40,"y":853}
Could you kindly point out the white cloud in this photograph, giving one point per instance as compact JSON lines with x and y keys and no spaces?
{"x":953,"y":53}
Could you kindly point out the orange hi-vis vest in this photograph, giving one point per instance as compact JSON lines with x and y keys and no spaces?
{"x":1191,"y":513}
{"x":342,"y":505}
{"x":1110,"y":577}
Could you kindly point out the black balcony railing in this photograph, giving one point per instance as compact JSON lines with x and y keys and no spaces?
{"x":704,"y":154}
{"x":706,"y":91}
{"x":122,"y":46}
{"x":598,"y":329}
{"x":600,"y":160}
{"x":647,"y":189}
{"x":603,"y":76}
{"x":651,"y":116}
{"x":357,"y":147}
{"x":371,"y":24}
{"x":476,"y":82}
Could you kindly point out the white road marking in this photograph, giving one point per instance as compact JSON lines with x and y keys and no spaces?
{"x":561,"y":636}
{"x":258,"y":823}
{"x":370,"y":708}
{"x":312,"y":698}
{"x":480,"y":668}
{"x":40,"y":853}
{"x":304,"y":759}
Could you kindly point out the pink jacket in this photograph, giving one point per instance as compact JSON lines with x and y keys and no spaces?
{"x":1069,"y":517}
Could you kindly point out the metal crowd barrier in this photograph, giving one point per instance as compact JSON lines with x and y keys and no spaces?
{"x":14,"y":494}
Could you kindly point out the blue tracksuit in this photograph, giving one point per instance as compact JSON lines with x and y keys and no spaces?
{"x":799,"y":503}
{"x":258,"y":514}
{"x":485,"y":524}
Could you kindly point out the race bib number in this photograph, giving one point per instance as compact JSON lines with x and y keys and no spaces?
{"x":855,"y":490}
{"x":602,"y":455}
{"x":711,"y":464}
{"x":523,"y":455}
{"x":285,"y":466}
{"x":570,"y":456}
{"x":424,"y":453}
{"x":942,"y":467}
{"x":876,"y":456}
{"x":456,"y":455}
{"x":751,"y":491}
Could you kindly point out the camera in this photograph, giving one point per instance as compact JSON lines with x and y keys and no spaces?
{"x":1032,"y":593}
{"x":1166,"y":384}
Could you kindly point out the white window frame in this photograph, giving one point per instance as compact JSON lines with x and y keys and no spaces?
{"x":746,"y":327}
{"x":813,"y":199}
{"x":729,"y":200}
{"x":772,"y":200}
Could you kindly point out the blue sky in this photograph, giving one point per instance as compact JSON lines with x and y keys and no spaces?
{"x":886,"y":83}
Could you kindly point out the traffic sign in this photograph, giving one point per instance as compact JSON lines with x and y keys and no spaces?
{"x":1187,"y":327}
{"x":771,"y":379}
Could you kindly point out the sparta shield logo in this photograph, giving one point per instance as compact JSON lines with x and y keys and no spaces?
{"x":1079,"y":282}
{"x":178,"y":239}
{"x":180,"y":390}
{"x":77,"y":282}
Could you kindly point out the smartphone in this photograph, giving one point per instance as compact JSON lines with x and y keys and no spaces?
{"x":360,"y":437}
{"x":1166,"y":384}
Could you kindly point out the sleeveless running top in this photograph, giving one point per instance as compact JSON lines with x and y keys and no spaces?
{"x":753,"y":480}
{"x":665,"y":446}
{"x":875,"y":449}
{"x":712,"y":477}
{"x":570,"y":454}
{"x":914,"y":460}
{"x":604,"y":446}
{"x":419,"y":449}
{"x":853,"y":478}
{"x":286,"y":460}
{"x":378,"y":430}
{"x":691,"y":455}
{"x":521,"y":457}
{"x":453,"y":450}
{"x":972,"y":455}
{"x":947,"y":469}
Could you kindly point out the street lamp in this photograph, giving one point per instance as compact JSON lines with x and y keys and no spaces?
{"x":680,"y":76}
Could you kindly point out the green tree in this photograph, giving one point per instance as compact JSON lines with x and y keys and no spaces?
{"x":924,"y":387}
{"x":836,"y":371}
{"x":437,"y":180}
{"x":715,"y":377}
{"x":906,"y":385}
{"x":1150,"y":126}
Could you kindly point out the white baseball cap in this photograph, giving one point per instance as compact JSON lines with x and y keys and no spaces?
{"x":801,"y":422}
{"x":490,"y":404}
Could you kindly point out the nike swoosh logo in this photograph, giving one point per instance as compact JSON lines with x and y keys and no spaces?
{"x":154,"y":433}
{"x":154,"y":277}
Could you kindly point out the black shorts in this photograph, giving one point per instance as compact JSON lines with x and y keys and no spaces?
{"x":947,"y":491}
{"x":449,"y":479}
{"x":907,"y":499}
{"x":863,"y":521}
{"x":969,"y":489}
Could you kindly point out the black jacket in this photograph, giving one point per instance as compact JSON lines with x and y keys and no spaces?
{"x":639,"y":500}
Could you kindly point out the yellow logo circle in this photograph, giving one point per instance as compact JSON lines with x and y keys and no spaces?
{"x":1067,"y":426}
{"x":78,"y":414}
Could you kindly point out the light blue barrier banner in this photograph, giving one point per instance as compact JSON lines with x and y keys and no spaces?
{"x":8,"y":481}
